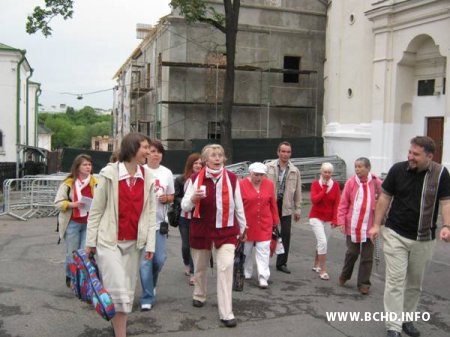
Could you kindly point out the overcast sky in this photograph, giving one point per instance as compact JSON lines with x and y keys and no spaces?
{"x":84,"y":52}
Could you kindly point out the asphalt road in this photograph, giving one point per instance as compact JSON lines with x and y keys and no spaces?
{"x":34,"y":301}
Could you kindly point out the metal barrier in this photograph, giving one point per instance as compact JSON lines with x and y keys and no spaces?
{"x":43,"y":192}
{"x":239,"y":169}
{"x":32,"y":196}
{"x":310,"y":168}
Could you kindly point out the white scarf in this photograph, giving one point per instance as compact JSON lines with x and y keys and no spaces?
{"x":224,"y":196}
{"x":78,"y":187}
{"x":330,"y":183}
{"x":361,"y":211}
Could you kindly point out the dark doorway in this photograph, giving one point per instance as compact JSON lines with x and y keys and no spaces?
{"x":435,"y":130}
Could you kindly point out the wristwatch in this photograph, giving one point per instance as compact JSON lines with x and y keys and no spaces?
{"x":448,"y":226}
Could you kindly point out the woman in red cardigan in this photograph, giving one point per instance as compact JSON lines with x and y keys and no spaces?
{"x":325,"y":195}
{"x":261,"y":212}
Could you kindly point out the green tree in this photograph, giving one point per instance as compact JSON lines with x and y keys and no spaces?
{"x":61,"y":128}
{"x":41,"y":17}
{"x":70,"y":112}
{"x":75,"y":128}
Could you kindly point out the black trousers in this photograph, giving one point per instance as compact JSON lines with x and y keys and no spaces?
{"x":285,"y":222}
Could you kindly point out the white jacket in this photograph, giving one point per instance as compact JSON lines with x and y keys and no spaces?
{"x":103,"y":220}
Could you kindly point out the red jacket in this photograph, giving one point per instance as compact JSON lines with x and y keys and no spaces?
{"x":325,"y":205}
{"x":261,"y":211}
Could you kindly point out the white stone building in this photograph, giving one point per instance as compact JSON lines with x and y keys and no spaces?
{"x":18,"y":107}
{"x":385,"y":79}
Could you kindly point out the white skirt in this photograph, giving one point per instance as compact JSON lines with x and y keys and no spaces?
{"x":119,"y":269}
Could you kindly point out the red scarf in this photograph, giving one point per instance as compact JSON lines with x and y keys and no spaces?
{"x":224,"y":200}
{"x":361,"y":211}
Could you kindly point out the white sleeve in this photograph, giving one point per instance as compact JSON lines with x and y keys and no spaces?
{"x":186,"y":204}
{"x":239,"y":208}
{"x":170,"y":183}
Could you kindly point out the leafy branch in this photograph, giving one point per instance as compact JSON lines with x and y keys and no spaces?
{"x":41,"y":17}
{"x":197,"y":10}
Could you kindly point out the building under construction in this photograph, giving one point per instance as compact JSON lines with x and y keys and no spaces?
{"x":171,"y":86}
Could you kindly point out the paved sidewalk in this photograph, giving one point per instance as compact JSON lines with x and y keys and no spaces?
{"x":34,"y":301}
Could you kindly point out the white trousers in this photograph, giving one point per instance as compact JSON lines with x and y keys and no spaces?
{"x":262,"y":258}
{"x":322,"y":231}
{"x":224,"y":263}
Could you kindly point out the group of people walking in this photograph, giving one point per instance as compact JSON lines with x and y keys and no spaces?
{"x":126,"y":225}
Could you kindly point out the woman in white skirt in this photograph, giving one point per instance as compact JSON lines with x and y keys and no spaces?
{"x":121,"y":223}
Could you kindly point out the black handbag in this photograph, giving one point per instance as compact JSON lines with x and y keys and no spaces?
{"x":238,"y":267}
{"x":173,"y":214}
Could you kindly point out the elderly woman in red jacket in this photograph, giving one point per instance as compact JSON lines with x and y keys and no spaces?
{"x":325,"y":195}
{"x":261,"y":212}
{"x":218,"y":220}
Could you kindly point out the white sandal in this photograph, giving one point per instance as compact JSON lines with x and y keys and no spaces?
{"x":324,"y":276}
{"x":316,"y":269}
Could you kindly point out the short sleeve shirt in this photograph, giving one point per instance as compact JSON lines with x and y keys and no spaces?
{"x":409,"y":189}
{"x":164,"y":184}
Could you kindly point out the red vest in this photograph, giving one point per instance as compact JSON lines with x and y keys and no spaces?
{"x":131,"y":202}
{"x":203,"y":231}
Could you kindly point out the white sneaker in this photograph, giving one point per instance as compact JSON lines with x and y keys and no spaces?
{"x":263,"y":283}
{"x":146,"y":307}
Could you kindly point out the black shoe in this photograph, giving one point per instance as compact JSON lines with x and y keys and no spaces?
{"x":229,"y":323}
{"x":409,"y":329}
{"x":197,"y":303}
{"x":68,"y":281}
{"x":392,"y":333}
{"x":284,"y":269}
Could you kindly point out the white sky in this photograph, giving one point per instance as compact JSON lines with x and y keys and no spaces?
{"x":84,"y":52}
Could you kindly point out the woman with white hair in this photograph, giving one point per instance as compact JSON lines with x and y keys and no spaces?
{"x":325,"y":195}
{"x":218,"y":219}
{"x":261,"y":212}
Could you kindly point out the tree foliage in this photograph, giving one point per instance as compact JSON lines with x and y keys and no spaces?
{"x":197,"y":10}
{"x":41,"y":17}
{"x":75,"y":128}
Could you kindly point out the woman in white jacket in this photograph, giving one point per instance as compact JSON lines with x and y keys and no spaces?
{"x":122,"y":223}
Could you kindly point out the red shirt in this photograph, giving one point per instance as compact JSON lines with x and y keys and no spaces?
{"x":324,"y":205}
{"x":131,"y":202}
{"x":261,"y":211}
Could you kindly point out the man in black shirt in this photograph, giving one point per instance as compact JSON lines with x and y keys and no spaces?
{"x":412,"y":191}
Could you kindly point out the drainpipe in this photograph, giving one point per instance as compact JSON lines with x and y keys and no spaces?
{"x":19,"y":64}
{"x":28,"y":107}
{"x":36,"y":111}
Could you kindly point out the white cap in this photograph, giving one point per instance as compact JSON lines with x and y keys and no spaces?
{"x":258,"y":167}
